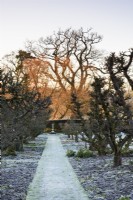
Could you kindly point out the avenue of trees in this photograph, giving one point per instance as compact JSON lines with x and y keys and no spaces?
{"x":65,"y":76}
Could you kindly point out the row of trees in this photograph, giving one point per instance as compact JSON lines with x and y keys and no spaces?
{"x":110,"y":116}
{"x":68,"y":69}
{"x":24,"y":110}
{"x":111,"y":103}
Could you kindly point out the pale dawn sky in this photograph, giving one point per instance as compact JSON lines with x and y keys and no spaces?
{"x":22,"y":20}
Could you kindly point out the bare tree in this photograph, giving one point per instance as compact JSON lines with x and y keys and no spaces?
{"x":70,"y":56}
{"x":124,"y":64}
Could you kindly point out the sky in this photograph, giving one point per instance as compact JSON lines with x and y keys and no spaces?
{"x":22,"y":20}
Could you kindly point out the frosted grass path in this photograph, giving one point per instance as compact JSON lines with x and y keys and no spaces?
{"x":55,"y":178}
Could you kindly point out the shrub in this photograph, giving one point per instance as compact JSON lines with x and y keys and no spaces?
{"x":70,"y":153}
{"x":124,"y":198}
{"x":10,"y":151}
{"x":84,"y":153}
{"x":127,"y":152}
{"x":47,"y":130}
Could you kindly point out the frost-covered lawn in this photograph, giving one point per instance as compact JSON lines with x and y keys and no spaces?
{"x":98,"y":176}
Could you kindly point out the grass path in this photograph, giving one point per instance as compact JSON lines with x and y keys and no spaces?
{"x":55,"y":178}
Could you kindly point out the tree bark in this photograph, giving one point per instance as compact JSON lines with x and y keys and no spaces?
{"x":117,"y":158}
